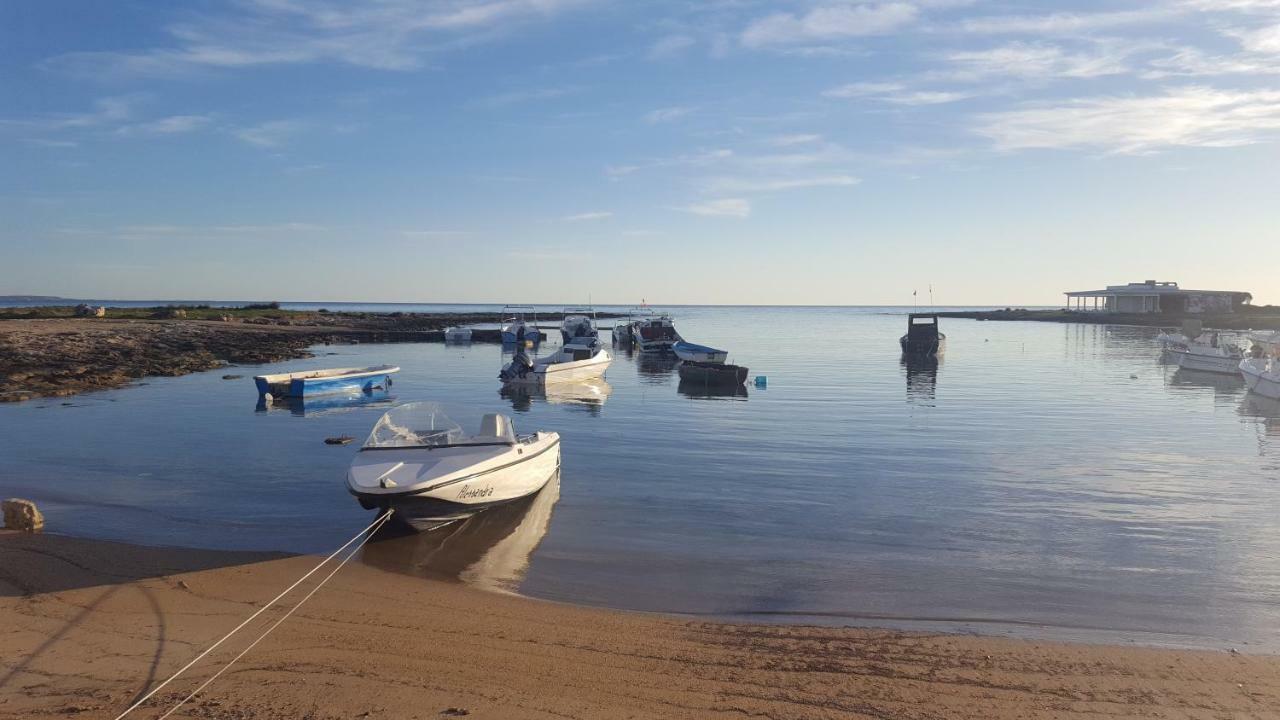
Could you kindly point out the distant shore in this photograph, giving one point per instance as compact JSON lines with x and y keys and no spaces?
{"x":1262,"y":318}
{"x":50,"y":352}
{"x":92,"y":625}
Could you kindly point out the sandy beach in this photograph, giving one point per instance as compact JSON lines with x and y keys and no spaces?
{"x":90,"y":625}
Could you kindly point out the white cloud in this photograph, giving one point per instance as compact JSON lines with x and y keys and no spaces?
{"x":269,"y":134}
{"x":1194,"y":116}
{"x":726,"y":185}
{"x":828,"y":22}
{"x":43,"y":142}
{"x":723,"y":207}
{"x":1041,"y":61}
{"x":798,"y":139}
{"x":172,"y":125}
{"x":896,"y":93}
{"x":670,"y":47}
{"x":1063,"y":23}
{"x":1264,"y":40}
{"x":596,"y":215}
{"x":667,"y":114}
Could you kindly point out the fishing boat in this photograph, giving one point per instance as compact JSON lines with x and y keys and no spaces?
{"x":573,"y":362}
{"x":520,"y":323}
{"x":321,"y":382}
{"x":923,"y":337}
{"x":1218,"y":354}
{"x":698,"y":353}
{"x":457,"y":335}
{"x":654,"y":334}
{"x":622,"y":329}
{"x":421,"y":464}
{"x":579,"y":326}
{"x":708,"y":373}
{"x":1262,"y":376}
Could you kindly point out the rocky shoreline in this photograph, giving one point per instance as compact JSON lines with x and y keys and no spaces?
{"x":1261,"y":318}
{"x":49,"y":353}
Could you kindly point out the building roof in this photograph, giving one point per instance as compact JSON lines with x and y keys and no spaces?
{"x":1151,"y":287}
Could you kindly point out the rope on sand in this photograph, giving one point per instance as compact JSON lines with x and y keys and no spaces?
{"x":371,"y":529}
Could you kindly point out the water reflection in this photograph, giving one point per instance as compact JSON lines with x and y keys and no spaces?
{"x":655,"y":368}
{"x":589,"y":395}
{"x":922,"y":378}
{"x":1221,"y":384}
{"x":702,"y":391}
{"x":1266,"y":413}
{"x":490,"y":550}
{"x":327,"y":404}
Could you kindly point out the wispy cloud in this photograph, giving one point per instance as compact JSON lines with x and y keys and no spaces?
{"x":1064,"y":23}
{"x":670,"y":47}
{"x":433,"y":234}
{"x":1043,"y":61}
{"x":798,"y":139}
{"x":44,"y":142}
{"x":172,"y":125}
{"x":896,"y":93}
{"x":741,"y":185}
{"x":597,"y":215}
{"x":269,"y":134}
{"x":723,"y":207}
{"x":666,"y":114}
{"x":828,"y":22}
{"x":523,"y":95}
{"x":1194,"y":116}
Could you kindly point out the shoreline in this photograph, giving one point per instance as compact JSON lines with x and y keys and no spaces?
{"x":99,"y":621}
{"x":47,"y":352}
{"x":1258,"y":319}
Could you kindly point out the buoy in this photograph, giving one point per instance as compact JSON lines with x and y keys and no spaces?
{"x":761,"y":381}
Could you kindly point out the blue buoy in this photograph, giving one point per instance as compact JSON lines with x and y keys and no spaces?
{"x":761,"y":381}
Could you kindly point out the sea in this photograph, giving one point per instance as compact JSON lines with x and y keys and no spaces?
{"x":1040,"y":480}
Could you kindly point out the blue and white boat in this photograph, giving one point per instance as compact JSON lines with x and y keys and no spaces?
{"x":520,"y":323}
{"x":698,"y":353}
{"x":322,"y":382}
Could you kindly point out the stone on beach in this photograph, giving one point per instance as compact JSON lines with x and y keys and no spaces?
{"x":22,"y":515}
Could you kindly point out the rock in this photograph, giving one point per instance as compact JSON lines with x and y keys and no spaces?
{"x":232,"y":377}
{"x":83,"y":310}
{"x":455,"y":712}
{"x":170,"y":312}
{"x":22,"y":515}
{"x":340,"y":440}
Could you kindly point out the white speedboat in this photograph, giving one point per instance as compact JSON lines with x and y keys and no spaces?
{"x":573,"y":362}
{"x":1218,"y":355}
{"x":1262,"y":375}
{"x":420,"y":464}
{"x":1267,"y":342}
{"x":691,"y":352}
{"x":655,"y":334}
{"x":520,"y":324}
{"x":579,"y":326}
{"x":457,"y":335}
{"x":1172,"y":339}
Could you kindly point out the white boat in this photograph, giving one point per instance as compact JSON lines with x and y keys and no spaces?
{"x":698,"y":353}
{"x":1170,"y":339}
{"x":1218,"y":355}
{"x":457,"y":335}
{"x":420,"y":464}
{"x":1267,"y":341}
{"x":654,"y":334}
{"x":1262,"y":375}
{"x":571,"y":363}
{"x":579,"y":326}
{"x":520,"y":324}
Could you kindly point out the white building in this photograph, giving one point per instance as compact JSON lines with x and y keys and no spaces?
{"x":1156,"y":297}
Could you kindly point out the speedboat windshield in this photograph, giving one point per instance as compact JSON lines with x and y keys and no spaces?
{"x":419,"y":424}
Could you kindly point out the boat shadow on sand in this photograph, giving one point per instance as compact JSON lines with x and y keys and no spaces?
{"x":490,"y":550}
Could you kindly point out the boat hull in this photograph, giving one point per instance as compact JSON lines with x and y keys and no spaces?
{"x":712,"y":374}
{"x":699,"y":353}
{"x":561,"y":372}
{"x":1260,"y":380}
{"x":303,"y":385}
{"x":1221,"y":364}
{"x":923,"y":348}
{"x":448,"y":502}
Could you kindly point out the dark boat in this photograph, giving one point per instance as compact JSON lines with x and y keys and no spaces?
{"x":922,"y":336}
{"x":709,"y":374}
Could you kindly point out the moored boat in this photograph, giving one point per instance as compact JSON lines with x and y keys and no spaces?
{"x":420,"y":464}
{"x":698,"y":353}
{"x":520,"y":324}
{"x":457,"y":335}
{"x":709,"y":374}
{"x":320,"y":382}
{"x":655,"y":333}
{"x":923,"y":337}
{"x":579,"y":326}
{"x":573,"y":362}
{"x":1218,"y":355}
{"x":1262,"y":376}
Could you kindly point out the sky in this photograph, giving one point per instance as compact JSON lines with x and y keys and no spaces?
{"x":830,"y":152}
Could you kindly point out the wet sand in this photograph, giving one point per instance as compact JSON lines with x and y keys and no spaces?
{"x":88,"y":625}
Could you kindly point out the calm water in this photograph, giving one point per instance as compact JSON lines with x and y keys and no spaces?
{"x":1027,"y":484}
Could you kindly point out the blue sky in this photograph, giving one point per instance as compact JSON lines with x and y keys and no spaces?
{"x":820,"y":152}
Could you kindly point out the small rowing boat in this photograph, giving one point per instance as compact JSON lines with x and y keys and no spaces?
{"x":321,"y":382}
{"x":708,"y":374}
{"x":698,"y":353}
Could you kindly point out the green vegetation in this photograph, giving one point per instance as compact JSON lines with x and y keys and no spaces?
{"x":192,"y":312}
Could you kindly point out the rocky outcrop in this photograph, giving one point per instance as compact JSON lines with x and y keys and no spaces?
{"x":22,"y":515}
{"x":83,"y":310}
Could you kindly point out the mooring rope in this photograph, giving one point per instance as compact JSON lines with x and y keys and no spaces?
{"x":274,"y":625}
{"x":372,"y":526}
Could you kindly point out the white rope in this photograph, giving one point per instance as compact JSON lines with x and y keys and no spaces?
{"x":250,"y":619}
{"x":274,"y":625}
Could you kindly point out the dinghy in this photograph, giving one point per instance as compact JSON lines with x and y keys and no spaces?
{"x":709,"y":374}
{"x":420,"y":464}
{"x":570,"y":363}
{"x":1262,"y":375}
{"x":699,"y":353}
{"x":321,"y":382}
{"x":457,"y":335}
